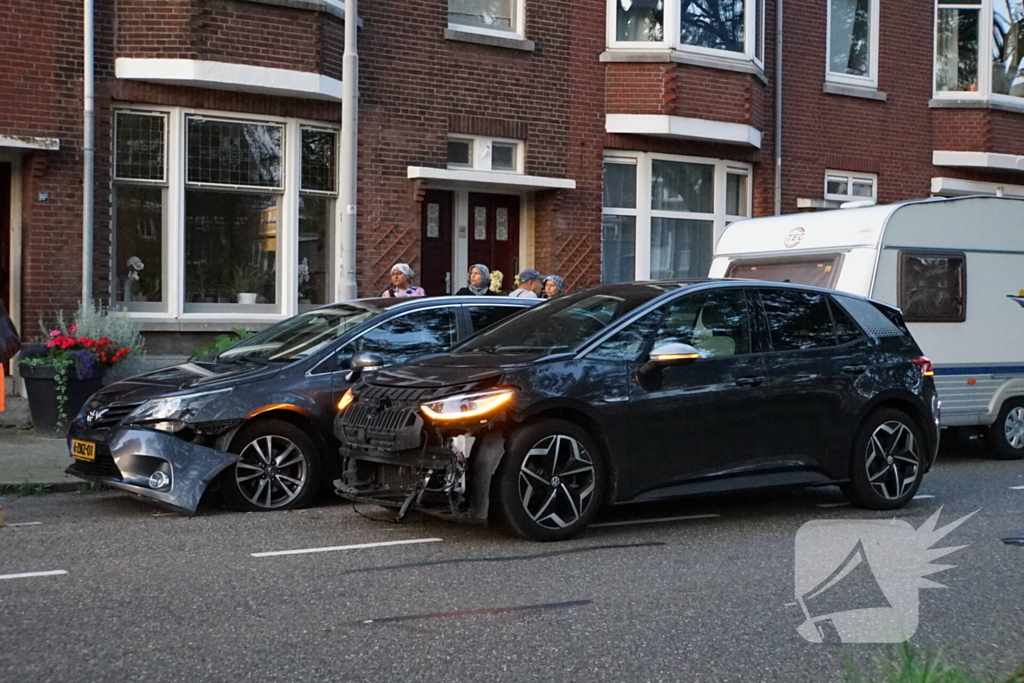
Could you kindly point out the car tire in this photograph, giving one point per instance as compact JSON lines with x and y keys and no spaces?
{"x":550,"y":483}
{"x":888,"y":461}
{"x":289,"y":478}
{"x":1006,"y":434}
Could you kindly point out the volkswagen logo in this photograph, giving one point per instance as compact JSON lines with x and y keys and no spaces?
{"x":795,"y":237}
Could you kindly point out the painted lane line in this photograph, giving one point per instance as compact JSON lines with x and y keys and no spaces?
{"x":652,"y":521}
{"x":1017,"y":488}
{"x":923,"y":496}
{"x":25,"y":524}
{"x":358,"y":546}
{"x":833,"y":505}
{"x":28,"y":575}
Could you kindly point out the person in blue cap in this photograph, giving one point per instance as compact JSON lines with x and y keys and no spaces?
{"x":531,"y":283}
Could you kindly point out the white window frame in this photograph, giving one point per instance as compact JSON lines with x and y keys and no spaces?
{"x":175,"y":158}
{"x":672,"y":26}
{"x":480,"y":153}
{"x":644,"y":213}
{"x":869,"y":81}
{"x":986,"y":21}
{"x":518,"y":29}
{"x":850,"y":177}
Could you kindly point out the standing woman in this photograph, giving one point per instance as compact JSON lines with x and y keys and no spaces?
{"x":479,"y":282}
{"x":10,"y":344}
{"x":401,"y":283}
{"x":554,"y":286}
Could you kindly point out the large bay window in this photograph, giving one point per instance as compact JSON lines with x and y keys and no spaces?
{"x":979,"y":48}
{"x":220,"y":215}
{"x":496,"y":17}
{"x":662,"y":214}
{"x":730,"y":28}
{"x":853,"y":42}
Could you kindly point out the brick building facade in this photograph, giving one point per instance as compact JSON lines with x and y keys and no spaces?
{"x":606,"y":139}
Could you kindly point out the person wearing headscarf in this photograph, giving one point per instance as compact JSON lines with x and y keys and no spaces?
{"x":401,"y":283}
{"x":479,"y":282}
{"x":554,"y":286}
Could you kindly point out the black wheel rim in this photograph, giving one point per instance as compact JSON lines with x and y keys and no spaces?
{"x":556,"y":482}
{"x":271,"y":472}
{"x":892,"y":460}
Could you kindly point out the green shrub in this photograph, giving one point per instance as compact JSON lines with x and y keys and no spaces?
{"x":220,"y":343}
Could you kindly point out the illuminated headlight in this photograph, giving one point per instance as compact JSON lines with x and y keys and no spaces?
{"x":346,"y":400}
{"x":467,"y":406}
{"x":172,"y":413}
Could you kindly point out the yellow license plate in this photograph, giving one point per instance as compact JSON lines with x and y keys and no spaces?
{"x":83,"y":450}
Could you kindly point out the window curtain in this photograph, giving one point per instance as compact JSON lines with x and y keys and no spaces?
{"x":640,"y":21}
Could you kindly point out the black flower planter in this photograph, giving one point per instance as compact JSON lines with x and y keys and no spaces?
{"x":42,"y":398}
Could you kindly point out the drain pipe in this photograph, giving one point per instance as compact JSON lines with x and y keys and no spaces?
{"x":88,"y":152}
{"x":346,"y":253}
{"x":778,"y":107}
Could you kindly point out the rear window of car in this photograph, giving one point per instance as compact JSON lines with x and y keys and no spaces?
{"x":485,"y":316}
{"x":798,"y":320}
{"x":877,"y":321}
{"x":820,"y":271}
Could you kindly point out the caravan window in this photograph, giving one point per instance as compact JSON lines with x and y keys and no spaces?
{"x":933,"y":287}
{"x":818,"y":272}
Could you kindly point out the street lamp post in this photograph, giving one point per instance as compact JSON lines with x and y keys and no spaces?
{"x":346,"y":253}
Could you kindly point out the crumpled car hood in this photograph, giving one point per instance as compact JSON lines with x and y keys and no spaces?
{"x":198,"y":375}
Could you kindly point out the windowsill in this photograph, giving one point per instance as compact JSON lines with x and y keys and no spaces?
{"x":332,"y":7}
{"x":488,"y":39}
{"x":739,"y":64}
{"x":178,"y":325}
{"x":977,"y":103}
{"x":848,"y":90}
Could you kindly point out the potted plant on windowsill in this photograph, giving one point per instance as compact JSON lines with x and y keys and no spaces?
{"x":247,"y":281}
{"x":62,"y":372}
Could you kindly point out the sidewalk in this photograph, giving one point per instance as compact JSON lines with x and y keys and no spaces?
{"x":28,"y":459}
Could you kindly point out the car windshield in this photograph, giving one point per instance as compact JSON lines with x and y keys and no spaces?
{"x":299,"y":337}
{"x":561,"y":325}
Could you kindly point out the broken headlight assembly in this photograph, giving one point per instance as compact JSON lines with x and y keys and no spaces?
{"x":468,"y":406}
{"x":173,"y":413}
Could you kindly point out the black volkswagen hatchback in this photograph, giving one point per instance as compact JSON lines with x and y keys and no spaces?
{"x":259,"y":414}
{"x":642,"y":392}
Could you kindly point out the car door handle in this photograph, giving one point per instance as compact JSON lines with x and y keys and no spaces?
{"x":750,"y":381}
{"x":855,"y":369}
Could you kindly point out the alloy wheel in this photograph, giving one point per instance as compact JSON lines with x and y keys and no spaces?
{"x":893,"y":461}
{"x":1013,"y":427}
{"x":556,"y":481}
{"x":271,"y":472}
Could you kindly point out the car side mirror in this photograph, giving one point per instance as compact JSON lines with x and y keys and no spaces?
{"x":667,"y":355}
{"x":364,"y":361}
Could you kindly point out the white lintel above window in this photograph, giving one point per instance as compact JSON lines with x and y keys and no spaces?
{"x":684,"y":128}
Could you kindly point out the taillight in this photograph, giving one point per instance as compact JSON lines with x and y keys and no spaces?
{"x":925,"y":366}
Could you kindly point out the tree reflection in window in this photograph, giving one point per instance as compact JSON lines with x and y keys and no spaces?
{"x":410,"y":335}
{"x":932,"y":287}
{"x":798,"y":320}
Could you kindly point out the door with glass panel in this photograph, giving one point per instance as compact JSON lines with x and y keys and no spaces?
{"x":682,"y":234}
{"x":494,"y":233}
{"x":436,"y":243}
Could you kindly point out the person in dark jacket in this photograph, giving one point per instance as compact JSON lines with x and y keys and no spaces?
{"x":479,"y":282}
{"x":10,"y":344}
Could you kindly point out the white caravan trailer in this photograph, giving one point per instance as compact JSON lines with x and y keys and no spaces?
{"x":954,"y":266}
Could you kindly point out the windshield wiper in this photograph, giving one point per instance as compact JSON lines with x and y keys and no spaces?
{"x":243,"y":359}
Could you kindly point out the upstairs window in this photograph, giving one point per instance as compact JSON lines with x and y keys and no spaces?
{"x":485,"y":154}
{"x":979,"y":48}
{"x":853,"y":42}
{"x":496,"y":17}
{"x":730,"y":28}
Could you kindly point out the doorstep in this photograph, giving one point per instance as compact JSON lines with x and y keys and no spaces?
{"x":16,"y":414}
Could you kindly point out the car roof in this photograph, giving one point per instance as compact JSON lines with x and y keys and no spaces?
{"x":381,"y":304}
{"x":669,"y":286}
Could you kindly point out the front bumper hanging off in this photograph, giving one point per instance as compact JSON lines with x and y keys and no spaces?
{"x":139,"y":453}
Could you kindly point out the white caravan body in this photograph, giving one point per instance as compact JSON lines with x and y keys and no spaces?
{"x":961,"y":260}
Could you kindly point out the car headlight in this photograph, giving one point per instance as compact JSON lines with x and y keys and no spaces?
{"x":346,"y":400}
{"x":467,"y":406}
{"x":171,"y":414}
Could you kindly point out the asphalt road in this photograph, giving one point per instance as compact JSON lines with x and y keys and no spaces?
{"x":150,"y":596}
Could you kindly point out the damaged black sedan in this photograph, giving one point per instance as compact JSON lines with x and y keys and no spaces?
{"x":642,"y":392}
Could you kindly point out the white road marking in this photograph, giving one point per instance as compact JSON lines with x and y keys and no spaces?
{"x":652,"y":521}
{"x":922,"y":496}
{"x":358,"y":546}
{"x":28,"y":575}
{"x":25,"y":524}
{"x":833,"y":505}
{"x":1017,"y":488}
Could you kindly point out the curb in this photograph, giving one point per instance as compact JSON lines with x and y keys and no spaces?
{"x":56,"y":487}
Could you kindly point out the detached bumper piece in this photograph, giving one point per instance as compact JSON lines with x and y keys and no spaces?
{"x":155,"y":466}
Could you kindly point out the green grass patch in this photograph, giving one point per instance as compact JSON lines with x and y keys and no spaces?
{"x":903,"y":664}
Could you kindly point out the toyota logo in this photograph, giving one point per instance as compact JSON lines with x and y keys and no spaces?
{"x":95,"y":416}
{"x":795,"y":237}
